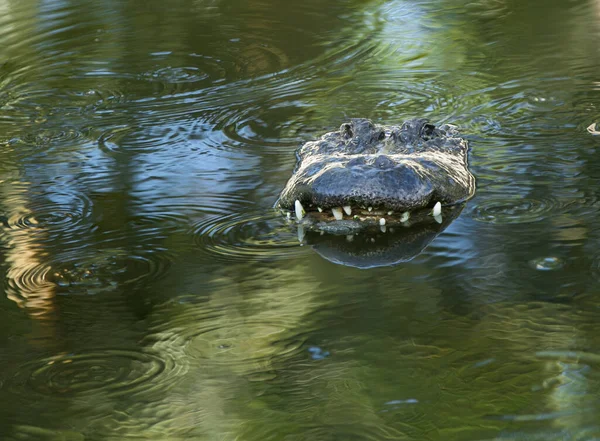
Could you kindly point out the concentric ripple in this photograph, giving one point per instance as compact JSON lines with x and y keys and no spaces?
{"x":109,"y":371}
{"x":514,"y":210}
{"x":109,"y":268}
{"x":33,"y":280}
{"x":61,"y":211}
{"x":255,"y":127}
{"x":51,"y":136}
{"x":217,"y":334}
{"x":247,"y":236}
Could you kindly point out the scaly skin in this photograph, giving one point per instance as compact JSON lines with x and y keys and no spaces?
{"x":388,"y":168}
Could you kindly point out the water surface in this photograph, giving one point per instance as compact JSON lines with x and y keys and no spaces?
{"x":150,"y":291}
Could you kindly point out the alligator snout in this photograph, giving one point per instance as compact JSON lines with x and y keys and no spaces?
{"x":371,"y":170}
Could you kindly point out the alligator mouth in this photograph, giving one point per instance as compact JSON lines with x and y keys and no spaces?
{"x":369,"y":215}
{"x":378,"y":246}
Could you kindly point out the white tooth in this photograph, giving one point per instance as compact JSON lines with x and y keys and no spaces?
{"x":348,"y":209}
{"x":322,"y":232}
{"x":288,"y":215}
{"x":382,"y":221}
{"x":300,"y":233}
{"x":372,"y":240}
{"x":390,"y":213}
{"x":437,"y":209}
{"x":370,"y":208}
{"x":320,"y":209}
{"x":438,"y":218}
{"x":405,"y":216}
{"x":349,"y":237}
{"x":337,"y":213}
{"x":383,"y":228}
{"x":299,"y":210}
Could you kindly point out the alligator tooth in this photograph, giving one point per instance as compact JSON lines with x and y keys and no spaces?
{"x":390,"y":213}
{"x":288,"y":215}
{"x":300,"y":233}
{"x":382,"y":221}
{"x":438,"y":218}
{"x":347,"y":209}
{"x":337,"y":213}
{"x":383,"y":228}
{"x":299,"y":210}
{"x":437,"y":209}
{"x":405,"y":216}
{"x":370,"y":208}
{"x":320,"y":209}
{"x":349,"y":237}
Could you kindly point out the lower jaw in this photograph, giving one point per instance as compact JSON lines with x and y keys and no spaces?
{"x":362,"y":214}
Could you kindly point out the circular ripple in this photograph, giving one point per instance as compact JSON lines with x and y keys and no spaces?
{"x":62,"y":210}
{"x":240,"y":343}
{"x":514,"y":211}
{"x":27,"y":283}
{"x":108,"y":269}
{"x":51,"y":136}
{"x":32,"y":281}
{"x":247,"y":237}
{"x":218,"y":334}
{"x":270,"y":127}
{"x":115,"y":372}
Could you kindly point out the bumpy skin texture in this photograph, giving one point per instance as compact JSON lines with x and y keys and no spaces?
{"x":387,"y":167}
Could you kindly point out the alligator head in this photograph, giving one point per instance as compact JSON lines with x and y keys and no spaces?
{"x":370,"y":171}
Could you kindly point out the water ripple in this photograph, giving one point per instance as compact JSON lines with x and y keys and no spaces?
{"x":247,"y":236}
{"x":34,"y":279}
{"x":62,"y":211}
{"x":271,"y":127}
{"x":218,"y":335}
{"x":109,"y":371}
{"x":514,"y":210}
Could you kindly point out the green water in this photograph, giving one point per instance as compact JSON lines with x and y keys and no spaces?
{"x":150,"y":292}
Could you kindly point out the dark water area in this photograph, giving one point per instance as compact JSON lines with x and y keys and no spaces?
{"x":152,"y":293}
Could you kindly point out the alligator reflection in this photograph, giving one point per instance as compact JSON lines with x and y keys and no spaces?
{"x":382,"y":246}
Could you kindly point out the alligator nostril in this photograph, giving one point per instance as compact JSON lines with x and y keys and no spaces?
{"x":381,"y":136}
{"x":383,"y":161}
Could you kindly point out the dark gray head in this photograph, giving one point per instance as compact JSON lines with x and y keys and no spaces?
{"x":399,"y":168}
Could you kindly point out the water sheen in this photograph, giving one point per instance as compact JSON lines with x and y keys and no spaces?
{"x":151,"y":292}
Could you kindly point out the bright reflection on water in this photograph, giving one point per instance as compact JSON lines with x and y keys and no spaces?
{"x":151,"y":293}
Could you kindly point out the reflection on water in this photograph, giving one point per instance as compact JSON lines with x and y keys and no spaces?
{"x":152,"y":293}
{"x":383,"y":245}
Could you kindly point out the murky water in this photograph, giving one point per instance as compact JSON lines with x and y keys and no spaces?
{"x":151,"y":293}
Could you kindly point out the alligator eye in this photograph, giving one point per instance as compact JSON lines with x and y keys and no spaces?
{"x":346,"y":130}
{"x":428,"y":131}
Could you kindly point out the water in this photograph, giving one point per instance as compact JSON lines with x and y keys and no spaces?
{"x":150,"y":292}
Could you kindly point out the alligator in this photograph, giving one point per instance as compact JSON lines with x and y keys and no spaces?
{"x":367,"y":174}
